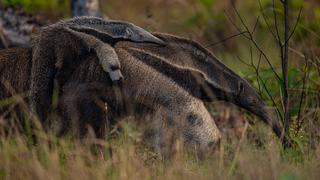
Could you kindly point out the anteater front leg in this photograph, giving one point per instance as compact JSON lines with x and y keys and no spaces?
{"x":106,"y":54}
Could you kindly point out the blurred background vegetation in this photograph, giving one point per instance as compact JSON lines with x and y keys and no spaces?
{"x":212,"y":22}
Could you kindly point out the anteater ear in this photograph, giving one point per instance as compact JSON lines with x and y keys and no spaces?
{"x":240,"y":88}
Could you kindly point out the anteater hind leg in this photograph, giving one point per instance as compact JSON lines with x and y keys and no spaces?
{"x":57,"y":48}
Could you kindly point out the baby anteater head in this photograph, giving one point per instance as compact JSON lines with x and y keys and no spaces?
{"x":116,"y":30}
{"x":137,"y":34}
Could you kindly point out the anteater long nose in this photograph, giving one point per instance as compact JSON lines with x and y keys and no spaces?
{"x":155,"y":40}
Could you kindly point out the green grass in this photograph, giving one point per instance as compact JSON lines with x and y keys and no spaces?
{"x":51,"y":8}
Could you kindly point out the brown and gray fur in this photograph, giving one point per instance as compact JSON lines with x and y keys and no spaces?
{"x":145,"y":88}
{"x":57,"y":45}
{"x":85,"y":90}
{"x":15,"y":68}
{"x":199,"y":72}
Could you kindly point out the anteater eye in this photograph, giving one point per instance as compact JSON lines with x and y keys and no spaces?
{"x":240,"y":88}
{"x":114,"y":67}
{"x":129,"y":32}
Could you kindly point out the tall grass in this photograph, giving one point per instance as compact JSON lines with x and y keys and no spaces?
{"x":126,"y":156}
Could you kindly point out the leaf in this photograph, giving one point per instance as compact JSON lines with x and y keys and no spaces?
{"x":292,"y":77}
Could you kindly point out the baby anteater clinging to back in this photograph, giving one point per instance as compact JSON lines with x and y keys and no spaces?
{"x":58,"y":46}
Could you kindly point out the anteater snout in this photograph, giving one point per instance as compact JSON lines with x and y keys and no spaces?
{"x":116,"y":75}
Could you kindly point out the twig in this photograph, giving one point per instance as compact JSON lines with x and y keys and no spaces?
{"x":285,"y":60}
{"x":302,"y":96}
{"x":276,"y":23}
{"x":265,"y":20}
{"x":295,"y":25}
{"x":233,"y":163}
{"x":226,"y":39}
{"x":269,"y":94}
{"x":255,"y":25}
{"x":251,"y":39}
{"x":256,"y":69}
{"x":259,"y":79}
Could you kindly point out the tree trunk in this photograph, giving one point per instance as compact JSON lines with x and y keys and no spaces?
{"x":85,"y":8}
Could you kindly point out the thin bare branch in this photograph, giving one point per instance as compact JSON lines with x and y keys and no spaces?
{"x":265,"y":20}
{"x":243,"y":61}
{"x":276,"y":24}
{"x":295,"y":25}
{"x":257,"y":69}
{"x":225,"y":39}
{"x":285,"y":61}
{"x":266,"y":58}
{"x":270,"y":96}
{"x":240,"y":18}
{"x":250,"y":38}
{"x":235,"y":25}
{"x":255,"y":25}
{"x":303,"y":92}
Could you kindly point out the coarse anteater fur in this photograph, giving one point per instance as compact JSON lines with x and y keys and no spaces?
{"x":15,"y":68}
{"x":184,"y":63}
{"x":200,"y":73}
{"x":57,"y":45}
{"x":84,"y":92}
